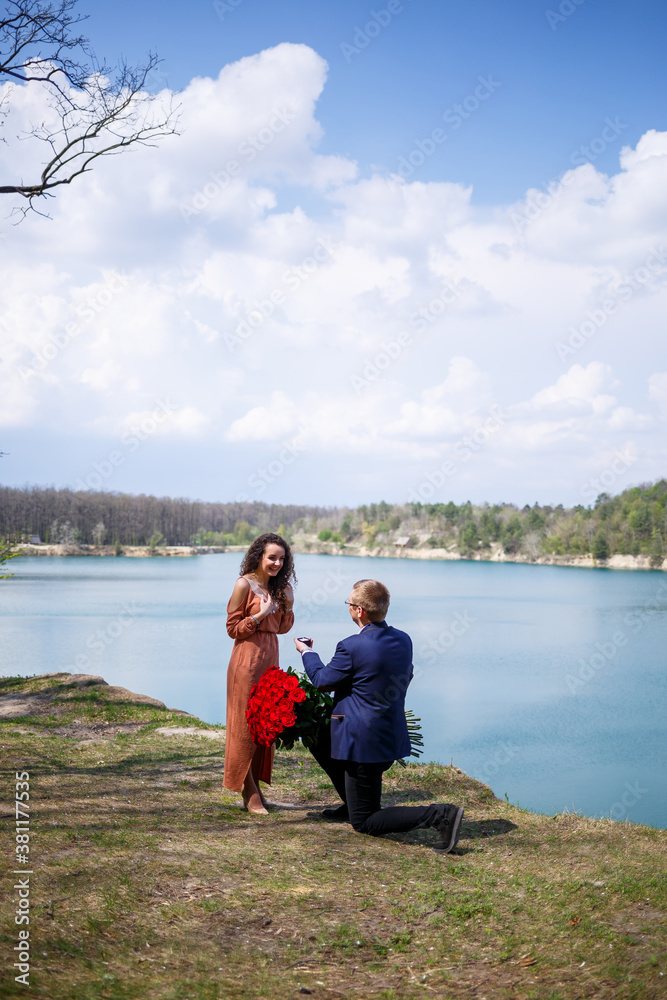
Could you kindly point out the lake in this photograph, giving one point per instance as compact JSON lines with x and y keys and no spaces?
{"x":548,"y":683}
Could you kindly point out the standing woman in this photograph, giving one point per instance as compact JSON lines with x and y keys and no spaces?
{"x":259,"y":610}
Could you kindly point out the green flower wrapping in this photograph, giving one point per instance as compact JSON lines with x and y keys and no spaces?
{"x":313,"y":716}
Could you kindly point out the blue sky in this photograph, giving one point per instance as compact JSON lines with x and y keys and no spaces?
{"x":463,"y":225}
{"x":558,"y":85}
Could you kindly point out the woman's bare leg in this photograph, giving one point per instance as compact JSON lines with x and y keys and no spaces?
{"x":252,"y":796}
{"x":254,"y":769}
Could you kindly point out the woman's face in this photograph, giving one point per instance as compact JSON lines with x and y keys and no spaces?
{"x":273,"y":558}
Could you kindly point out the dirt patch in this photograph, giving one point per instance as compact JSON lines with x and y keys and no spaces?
{"x":82,"y":730}
{"x":207,"y":734}
{"x":59,"y":695}
{"x":14,"y":706}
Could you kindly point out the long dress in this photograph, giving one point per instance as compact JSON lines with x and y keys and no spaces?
{"x":255,"y":650}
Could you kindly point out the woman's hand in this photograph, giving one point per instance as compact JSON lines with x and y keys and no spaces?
{"x":265,"y":608}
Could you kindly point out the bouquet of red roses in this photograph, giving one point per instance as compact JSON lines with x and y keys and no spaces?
{"x":282,"y":702}
{"x":284,"y":707}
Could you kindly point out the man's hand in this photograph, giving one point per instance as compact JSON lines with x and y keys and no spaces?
{"x":301,"y":646}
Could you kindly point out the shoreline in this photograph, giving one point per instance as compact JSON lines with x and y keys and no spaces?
{"x":303,"y":547}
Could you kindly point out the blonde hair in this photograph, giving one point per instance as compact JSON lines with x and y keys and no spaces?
{"x":373,"y":597}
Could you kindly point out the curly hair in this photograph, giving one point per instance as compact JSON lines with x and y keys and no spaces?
{"x":286,"y":575}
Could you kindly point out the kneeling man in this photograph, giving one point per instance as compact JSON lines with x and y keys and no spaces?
{"x":369,"y":675}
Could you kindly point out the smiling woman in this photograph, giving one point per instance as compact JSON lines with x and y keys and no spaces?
{"x":259,"y":610}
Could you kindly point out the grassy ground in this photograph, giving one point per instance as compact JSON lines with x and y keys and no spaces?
{"x":150,"y":882}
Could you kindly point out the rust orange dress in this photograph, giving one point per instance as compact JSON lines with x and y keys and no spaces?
{"x":255,"y":650}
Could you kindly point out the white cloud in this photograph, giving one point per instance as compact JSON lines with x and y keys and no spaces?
{"x":102,"y":378}
{"x":447,"y":409}
{"x":624,"y":418}
{"x":652,"y":144}
{"x":165,"y":420}
{"x":266,"y":423}
{"x":161,"y":254}
{"x":580,"y":388}
{"x":657,"y":391}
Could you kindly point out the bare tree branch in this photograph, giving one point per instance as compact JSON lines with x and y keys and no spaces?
{"x":92,"y":113}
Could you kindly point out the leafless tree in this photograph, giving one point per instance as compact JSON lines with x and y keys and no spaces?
{"x":133,"y":520}
{"x":93,"y":111}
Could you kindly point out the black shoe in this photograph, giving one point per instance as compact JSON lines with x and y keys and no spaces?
{"x":449,"y":829}
{"x":339,"y":814}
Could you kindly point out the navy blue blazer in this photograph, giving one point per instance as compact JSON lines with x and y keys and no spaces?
{"x":369,"y":674}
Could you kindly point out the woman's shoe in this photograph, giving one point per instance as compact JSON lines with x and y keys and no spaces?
{"x":254,"y":810}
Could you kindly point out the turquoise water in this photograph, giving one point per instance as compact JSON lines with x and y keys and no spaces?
{"x":546,"y":682}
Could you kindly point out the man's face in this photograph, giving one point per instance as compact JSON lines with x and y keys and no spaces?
{"x":354,"y":609}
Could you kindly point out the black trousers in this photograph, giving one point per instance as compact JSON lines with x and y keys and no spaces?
{"x":360,"y":787}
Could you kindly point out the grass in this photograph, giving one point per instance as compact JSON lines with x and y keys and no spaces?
{"x":149,"y":880}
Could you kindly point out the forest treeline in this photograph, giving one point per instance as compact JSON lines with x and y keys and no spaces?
{"x":68,"y":517}
{"x":632,"y":523}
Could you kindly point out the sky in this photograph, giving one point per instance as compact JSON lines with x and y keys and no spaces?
{"x":416,"y":251}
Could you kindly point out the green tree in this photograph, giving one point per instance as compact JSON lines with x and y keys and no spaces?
{"x":535,"y":519}
{"x":639,"y":519}
{"x":469,"y":537}
{"x":156,"y":540}
{"x":451,"y":512}
{"x":600,"y":546}
{"x":243,"y":533}
{"x":370,"y":531}
{"x":8,"y":550}
{"x":657,"y":550}
{"x":512,"y":535}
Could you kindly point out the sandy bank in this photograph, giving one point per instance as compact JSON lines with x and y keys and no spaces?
{"x":315,"y":547}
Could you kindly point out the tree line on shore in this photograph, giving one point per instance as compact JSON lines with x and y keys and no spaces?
{"x":632,"y":523}
{"x":68,"y":517}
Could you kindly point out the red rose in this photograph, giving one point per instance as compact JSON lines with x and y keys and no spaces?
{"x":272,"y":705}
